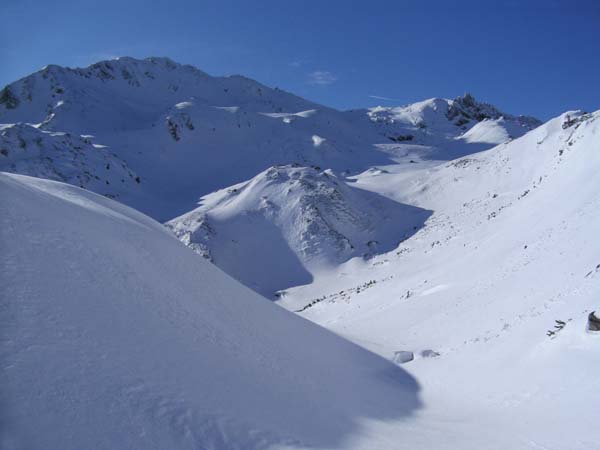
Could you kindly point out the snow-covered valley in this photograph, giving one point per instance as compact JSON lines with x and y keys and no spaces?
{"x":452,"y":244}
{"x":493,"y":295}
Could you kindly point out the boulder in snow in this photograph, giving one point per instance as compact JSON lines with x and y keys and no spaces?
{"x":593,"y":325}
{"x":403,"y":356}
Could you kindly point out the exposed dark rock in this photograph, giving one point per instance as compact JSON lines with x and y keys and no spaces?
{"x":593,"y":323}
{"x":8,"y":99}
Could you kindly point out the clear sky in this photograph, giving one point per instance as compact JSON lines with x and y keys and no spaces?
{"x":527,"y":57}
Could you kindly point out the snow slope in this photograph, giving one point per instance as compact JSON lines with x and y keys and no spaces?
{"x":114,"y":335}
{"x":492,"y":295}
{"x":27,"y":150}
{"x":186,"y":134}
{"x":293,"y":221}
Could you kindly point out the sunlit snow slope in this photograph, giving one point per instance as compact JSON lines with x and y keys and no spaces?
{"x":492,"y":296}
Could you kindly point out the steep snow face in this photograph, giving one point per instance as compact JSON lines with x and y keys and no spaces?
{"x":275,"y":230}
{"x":117,"y":336}
{"x":492,"y":296}
{"x":27,"y":150}
{"x":489,"y":131}
{"x":186,"y":133}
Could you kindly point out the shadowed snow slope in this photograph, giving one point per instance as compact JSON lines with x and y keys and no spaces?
{"x":273,"y":231}
{"x":116,"y":336}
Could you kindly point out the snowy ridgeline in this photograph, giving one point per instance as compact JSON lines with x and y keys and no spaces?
{"x":185,"y":134}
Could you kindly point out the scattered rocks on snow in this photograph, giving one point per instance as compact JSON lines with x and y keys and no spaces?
{"x":429,"y":354}
{"x":559,"y":325}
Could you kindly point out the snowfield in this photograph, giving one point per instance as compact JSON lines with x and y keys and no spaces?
{"x":438,"y":263}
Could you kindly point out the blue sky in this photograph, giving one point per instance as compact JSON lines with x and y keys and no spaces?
{"x":530,"y":57}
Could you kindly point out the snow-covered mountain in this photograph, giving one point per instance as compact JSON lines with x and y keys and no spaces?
{"x":116,"y":336}
{"x":294,"y":221}
{"x":439,"y":128}
{"x":298,"y":221}
{"x":185,"y":133}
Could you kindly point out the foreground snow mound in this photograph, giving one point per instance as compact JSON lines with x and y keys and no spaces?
{"x":184,"y":132}
{"x":274,"y":230}
{"x":117,"y":336}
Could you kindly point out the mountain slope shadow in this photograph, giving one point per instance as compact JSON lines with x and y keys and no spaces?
{"x":254,"y":251}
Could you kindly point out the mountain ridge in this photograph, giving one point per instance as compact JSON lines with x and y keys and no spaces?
{"x":185,"y":133}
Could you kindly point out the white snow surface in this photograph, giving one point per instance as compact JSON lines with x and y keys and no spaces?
{"x":116,"y":336}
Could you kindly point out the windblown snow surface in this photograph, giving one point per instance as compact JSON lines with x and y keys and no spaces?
{"x":117,"y":336}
